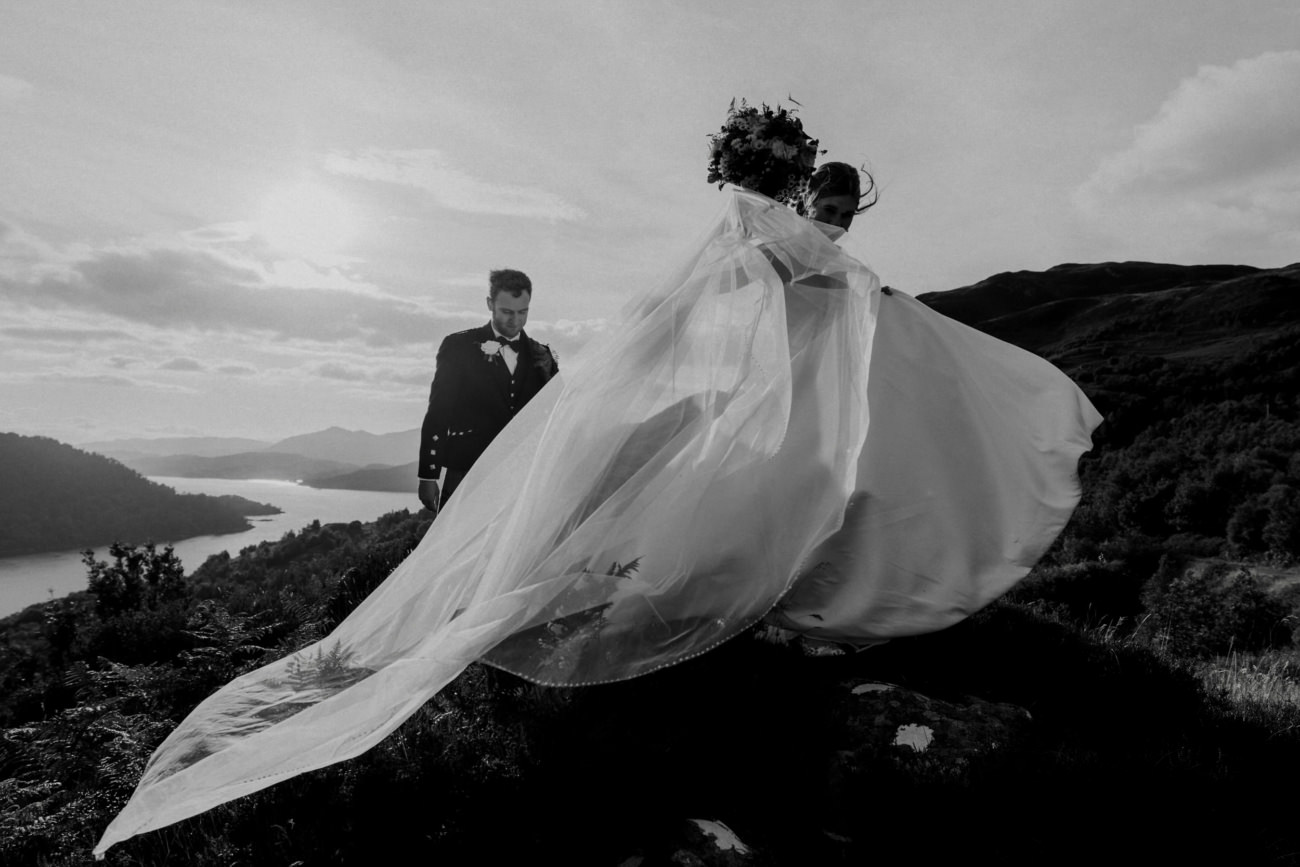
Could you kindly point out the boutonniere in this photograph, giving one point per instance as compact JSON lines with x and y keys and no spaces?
{"x":490,"y":348}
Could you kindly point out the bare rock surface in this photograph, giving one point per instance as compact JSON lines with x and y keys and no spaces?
{"x":926,"y":738}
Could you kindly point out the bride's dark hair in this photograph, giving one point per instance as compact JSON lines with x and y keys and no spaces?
{"x":839,"y":179}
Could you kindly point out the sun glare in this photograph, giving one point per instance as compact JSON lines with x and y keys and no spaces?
{"x":306,"y":219}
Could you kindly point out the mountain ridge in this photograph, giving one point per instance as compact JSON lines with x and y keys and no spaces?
{"x":1074,"y":314}
{"x":360,"y":448}
{"x":332,"y":452}
{"x":204,"y":447}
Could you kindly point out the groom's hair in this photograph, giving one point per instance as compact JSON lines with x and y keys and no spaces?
{"x":506,"y":280}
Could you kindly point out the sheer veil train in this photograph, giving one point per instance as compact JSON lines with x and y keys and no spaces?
{"x":656,"y":498}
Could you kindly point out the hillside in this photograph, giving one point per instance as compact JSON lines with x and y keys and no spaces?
{"x":359,"y":448}
{"x":1197,"y":372}
{"x":55,"y":497}
{"x":1083,"y":314}
{"x":400,"y":479}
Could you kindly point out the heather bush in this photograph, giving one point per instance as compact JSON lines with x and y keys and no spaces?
{"x":1090,"y":591}
{"x":1212,"y":608}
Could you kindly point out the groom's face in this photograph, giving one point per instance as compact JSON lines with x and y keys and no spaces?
{"x":509,"y":312}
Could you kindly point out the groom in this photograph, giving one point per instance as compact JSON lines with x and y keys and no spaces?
{"x":484,"y":376}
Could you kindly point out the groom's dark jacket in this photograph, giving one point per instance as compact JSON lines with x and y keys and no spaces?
{"x":474,"y":396}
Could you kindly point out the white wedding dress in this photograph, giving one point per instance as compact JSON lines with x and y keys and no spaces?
{"x":762,"y":435}
{"x":967,"y":476}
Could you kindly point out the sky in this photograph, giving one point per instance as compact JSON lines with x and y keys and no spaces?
{"x":259,"y":219}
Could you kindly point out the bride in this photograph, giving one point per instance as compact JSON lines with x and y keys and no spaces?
{"x":765,"y":434}
{"x":966,"y":477}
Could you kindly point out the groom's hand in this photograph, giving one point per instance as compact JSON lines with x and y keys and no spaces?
{"x":428,"y":494}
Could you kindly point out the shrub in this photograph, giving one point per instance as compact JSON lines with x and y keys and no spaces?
{"x":138,"y":577}
{"x":1090,"y":591}
{"x":1210,"y":609}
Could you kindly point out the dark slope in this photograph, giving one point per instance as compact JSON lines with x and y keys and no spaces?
{"x":55,"y":497}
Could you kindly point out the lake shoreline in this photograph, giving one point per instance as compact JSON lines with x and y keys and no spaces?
{"x":30,"y":579}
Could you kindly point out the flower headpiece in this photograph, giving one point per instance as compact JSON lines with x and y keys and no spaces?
{"x":762,"y":149}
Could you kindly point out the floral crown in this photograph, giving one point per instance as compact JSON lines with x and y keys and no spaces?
{"x":762,"y":149}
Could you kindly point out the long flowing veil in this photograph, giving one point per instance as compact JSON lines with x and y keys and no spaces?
{"x":653,"y":500}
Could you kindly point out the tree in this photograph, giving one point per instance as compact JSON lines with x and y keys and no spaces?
{"x":1281,"y":531}
{"x":139,"y":577}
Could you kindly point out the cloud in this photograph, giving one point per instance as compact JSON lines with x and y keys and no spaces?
{"x":1217,"y":169}
{"x":429,"y":171}
{"x":197,"y":290}
{"x":174,"y":298}
{"x":65,"y":377}
{"x":567,"y":336}
{"x":22,"y":254}
{"x":13,"y":89}
{"x":419,"y":378}
{"x":107,"y":379}
{"x":580,"y":330}
{"x":334,"y":370}
{"x":383,"y":375}
{"x":221,"y":234}
{"x":67,"y":335}
{"x":185,"y":365}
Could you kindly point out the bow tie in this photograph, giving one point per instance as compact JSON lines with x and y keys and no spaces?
{"x":517,"y":344}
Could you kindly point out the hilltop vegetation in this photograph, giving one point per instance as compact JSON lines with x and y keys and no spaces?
{"x":1197,"y":372}
{"x":55,"y":497}
{"x":1154,"y":648}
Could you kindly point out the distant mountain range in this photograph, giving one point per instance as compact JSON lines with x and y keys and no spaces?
{"x":331,"y":458}
{"x":204,"y":447}
{"x":353,"y":447}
